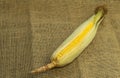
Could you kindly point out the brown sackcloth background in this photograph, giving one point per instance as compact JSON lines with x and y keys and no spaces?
{"x":31,"y":30}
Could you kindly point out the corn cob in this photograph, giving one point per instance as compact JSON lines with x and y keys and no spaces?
{"x":76,"y":42}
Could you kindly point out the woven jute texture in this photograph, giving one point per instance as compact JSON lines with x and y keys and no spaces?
{"x":31,"y":30}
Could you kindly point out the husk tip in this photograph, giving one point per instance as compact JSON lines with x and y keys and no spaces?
{"x":102,"y":7}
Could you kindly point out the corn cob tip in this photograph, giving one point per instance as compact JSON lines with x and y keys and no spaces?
{"x":44,"y":68}
{"x":101,"y":8}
